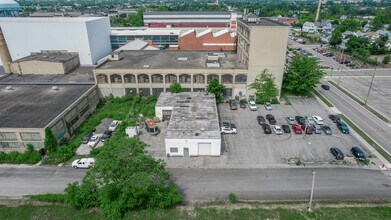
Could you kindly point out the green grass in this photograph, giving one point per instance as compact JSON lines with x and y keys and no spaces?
{"x":361,"y":102}
{"x":367,"y":138}
{"x":60,"y":212}
{"x":323,"y":99}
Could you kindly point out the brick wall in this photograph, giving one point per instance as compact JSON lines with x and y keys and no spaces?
{"x":191,"y":42}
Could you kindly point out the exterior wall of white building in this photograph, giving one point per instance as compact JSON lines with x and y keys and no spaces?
{"x":193,"y":145}
{"x":88,"y":36}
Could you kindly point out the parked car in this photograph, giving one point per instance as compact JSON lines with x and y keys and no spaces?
{"x":300,"y":120}
{"x":343,"y":127}
{"x":268,"y":106}
{"x":277,"y":129}
{"x":308,"y":129}
{"x":261,"y":120}
{"x":339,"y":59}
{"x":328,"y":54}
{"x":226,"y":124}
{"x":271,"y":119}
{"x":321,"y":51}
{"x":252,"y":105}
{"x":337,"y":153}
{"x":106,"y":135}
{"x":286,"y":128}
{"x":114,"y":125}
{"x":318,"y":120}
{"x":266,"y":129}
{"x":233,"y":105}
{"x":290,"y":120}
{"x":83,"y":163}
{"x":227,"y":130}
{"x":352,"y":65}
{"x":335,"y":118}
{"x":296,"y":129}
{"x":327,"y":130}
{"x":325,"y":87}
{"x":310,"y":120}
{"x":242,"y":103}
{"x":358,"y":153}
{"x":317,"y":129}
{"x":86,"y":138}
{"x":94,"y":140}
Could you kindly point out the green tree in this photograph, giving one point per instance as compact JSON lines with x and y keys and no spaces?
{"x":386,"y":59}
{"x":336,"y":38}
{"x":383,"y":16}
{"x":265,"y":87}
{"x":216,"y":88}
{"x":301,"y":76}
{"x":50,"y":141}
{"x":176,"y":88}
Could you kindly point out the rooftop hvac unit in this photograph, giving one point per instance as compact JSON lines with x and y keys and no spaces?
{"x":213,"y":65}
{"x":55,"y":88}
{"x":9,"y":88}
{"x":213,"y":58}
{"x":115,"y":56}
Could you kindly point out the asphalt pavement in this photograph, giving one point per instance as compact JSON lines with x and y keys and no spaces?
{"x":374,"y":127}
{"x":207,"y":184}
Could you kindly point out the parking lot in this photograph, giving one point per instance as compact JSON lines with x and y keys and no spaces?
{"x":84,"y":149}
{"x":251,"y":148}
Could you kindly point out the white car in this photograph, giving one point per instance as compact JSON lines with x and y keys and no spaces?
{"x":318,"y":120}
{"x":252,"y":105}
{"x":310,"y":120}
{"x":227,"y":130}
{"x":94,"y":140}
{"x":114,"y":125}
{"x":83,"y":163}
{"x":277,"y":129}
{"x":268,"y":106}
{"x":291,"y":120}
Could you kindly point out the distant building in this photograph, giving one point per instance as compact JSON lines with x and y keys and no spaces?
{"x":309,"y":27}
{"x":175,"y":19}
{"x":55,"y":14}
{"x":193,"y":128}
{"x":324,"y":26}
{"x":285,"y":20}
{"x":9,"y":8}
{"x":88,"y":36}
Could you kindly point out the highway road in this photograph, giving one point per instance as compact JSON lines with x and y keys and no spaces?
{"x":206,"y":184}
{"x":366,"y":121}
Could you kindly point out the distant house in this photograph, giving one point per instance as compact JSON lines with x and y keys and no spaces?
{"x":360,"y":34}
{"x":309,"y":27}
{"x":347,"y":34}
{"x":324,"y":26}
{"x":325,"y":38}
{"x":367,"y":27}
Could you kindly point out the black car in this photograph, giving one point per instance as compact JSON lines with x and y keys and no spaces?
{"x":266,"y":129}
{"x":308,"y":129}
{"x":106,"y":135}
{"x":271,"y":119}
{"x":343,"y":127}
{"x":86,"y":138}
{"x":327,"y":130}
{"x":328,"y":54}
{"x":300,"y":120}
{"x":261,"y":120}
{"x":335,"y":118}
{"x":337,"y":153}
{"x":242,"y":103}
{"x":358,"y":153}
{"x":286,"y":128}
{"x":325,"y":87}
{"x":233,"y":105}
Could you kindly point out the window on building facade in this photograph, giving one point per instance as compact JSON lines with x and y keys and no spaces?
{"x":115,"y":78}
{"x":227,"y":93}
{"x":143,"y":78}
{"x":131,"y":91}
{"x":173,"y":150}
{"x":227,"y":78}
{"x":157,"y":78}
{"x":198,"y":89}
{"x":31,"y":136}
{"x":199,"y":78}
{"x":102,"y":79}
{"x":35,"y":144}
{"x":156,"y":91}
{"x":9,"y":144}
{"x":212,"y":76}
{"x":7,"y":136}
{"x":171,"y":78}
{"x":145,"y":91}
{"x":184,"y":78}
{"x":129,"y":78}
{"x":240,"y":79}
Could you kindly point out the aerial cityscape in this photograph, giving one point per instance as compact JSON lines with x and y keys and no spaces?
{"x":195,"y":109}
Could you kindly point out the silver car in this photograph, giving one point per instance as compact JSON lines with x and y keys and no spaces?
{"x":290,"y":120}
{"x":317,"y":128}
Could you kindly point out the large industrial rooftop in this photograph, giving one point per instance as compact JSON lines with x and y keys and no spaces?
{"x":192,"y":13}
{"x":60,"y":57}
{"x":35,"y":106}
{"x":194,"y":115}
{"x":262,"y":22}
{"x":170,"y":60}
{"x":51,"y":20}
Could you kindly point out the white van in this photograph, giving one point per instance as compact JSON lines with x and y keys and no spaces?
{"x":84,"y":163}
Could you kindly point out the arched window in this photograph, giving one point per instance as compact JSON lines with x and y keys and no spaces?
{"x":212,"y":76}
{"x":241,"y":79}
{"x":143,"y":78}
{"x":115,"y":78}
{"x":157,"y":78}
{"x":227,"y":78}
{"x":102,"y":79}
{"x":171,"y":78}
{"x":129,"y":78}
{"x":184,"y":78}
{"x":199,"y":78}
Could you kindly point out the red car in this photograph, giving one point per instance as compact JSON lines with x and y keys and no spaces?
{"x":322,"y":51}
{"x":340,"y":59}
{"x":296,"y":129}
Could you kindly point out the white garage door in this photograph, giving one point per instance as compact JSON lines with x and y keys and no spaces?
{"x":204,"y":148}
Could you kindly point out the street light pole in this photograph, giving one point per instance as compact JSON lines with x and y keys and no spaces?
{"x":370,"y":85}
{"x":312,"y":192}
{"x":340,"y":66}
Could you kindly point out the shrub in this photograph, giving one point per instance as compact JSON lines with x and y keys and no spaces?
{"x":387,"y":59}
{"x":232,"y":198}
{"x":30,"y":156}
{"x":48,"y":197}
{"x":50,"y":141}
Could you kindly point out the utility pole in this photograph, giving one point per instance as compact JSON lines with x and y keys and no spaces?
{"x":370,"y":85}
{"x":318,"y":11}
{"x":340,"y":66}
{"x":312,"y":192}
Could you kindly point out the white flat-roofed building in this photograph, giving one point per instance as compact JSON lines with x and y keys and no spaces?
{"x":88,"y":36}
{"x":194,"y":128}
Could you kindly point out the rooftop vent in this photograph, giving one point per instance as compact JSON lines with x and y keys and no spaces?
{"x":213,"y":57}
{"x":182,"y":58}
{"x":213,"y":65}
{"x":188,"y":97}
{"x":55,"y":88}
{"x":197,"y":134}
{"x":146,"y":65}
{"x":9,"y":88}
